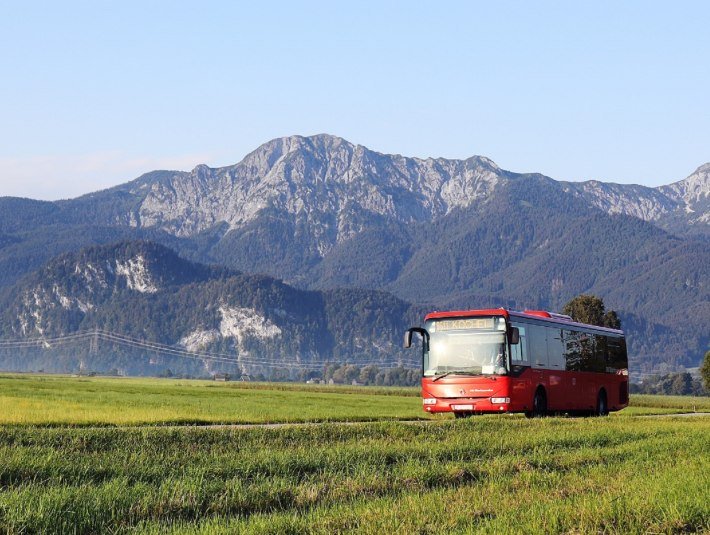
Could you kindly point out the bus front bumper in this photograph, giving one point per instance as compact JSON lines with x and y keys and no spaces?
{"x":468,"y":405}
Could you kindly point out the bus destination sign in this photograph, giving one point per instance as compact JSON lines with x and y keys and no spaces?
{"x":464,"y":323}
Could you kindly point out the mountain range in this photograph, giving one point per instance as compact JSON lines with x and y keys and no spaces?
{"x":319,"y":214}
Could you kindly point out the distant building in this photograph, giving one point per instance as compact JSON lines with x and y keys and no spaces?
{"x":223,"y":377}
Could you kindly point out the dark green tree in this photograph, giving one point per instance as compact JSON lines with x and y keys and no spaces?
{"x":612,"y":320}
{"x":590,"y":309}
{"x":682,"y":385}
{"x":677,"y":384}
{"x":705,"y":371}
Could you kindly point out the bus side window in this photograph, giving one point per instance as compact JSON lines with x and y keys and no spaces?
{"x":573,"y":351}
{"x":584,"y":352}
{"x":519,"y":352}
{"x":538,"y":346}
{"x":555,"y":349}
{"x":616,"y":358}
{"x":586,"y":342}
{"x":601,"y":360}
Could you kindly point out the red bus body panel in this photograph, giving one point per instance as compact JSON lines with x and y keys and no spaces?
{"x":566,"y":390}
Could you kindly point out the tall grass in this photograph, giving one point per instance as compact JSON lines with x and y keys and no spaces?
{"x":492,"y":474}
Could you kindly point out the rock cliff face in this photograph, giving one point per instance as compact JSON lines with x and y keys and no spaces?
{"x":328,"y":181}
{"x":323,"y":181}
{"x":683,"y":203}
{"x":56,"y":299}
{"x":693,"y":195}
{"x":638,"y":201}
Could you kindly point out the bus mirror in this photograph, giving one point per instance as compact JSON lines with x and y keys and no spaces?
{"x":408,"y":338}
{"x":422,"y":332}
{"x":514,"y":336}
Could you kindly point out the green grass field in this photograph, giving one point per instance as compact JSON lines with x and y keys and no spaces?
{"x":51,"y":400}
{"x":63,"y":400}
{"x":493,"y":474}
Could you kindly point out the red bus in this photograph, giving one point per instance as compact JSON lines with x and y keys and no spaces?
{"x":535,"y":362}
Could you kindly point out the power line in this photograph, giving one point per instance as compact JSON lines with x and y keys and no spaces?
{"x":93,"y":336}
{"x":44,"y":340}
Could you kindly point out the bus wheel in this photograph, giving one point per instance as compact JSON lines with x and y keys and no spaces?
{"x":458,"y":415}
{"x":602,"y":407}
{"x":539,"y":404}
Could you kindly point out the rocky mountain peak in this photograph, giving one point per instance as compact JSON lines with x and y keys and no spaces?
{"x":693,"y":195}
{"x":672,"y":206}
{"x":337,"y":189}
{"x":201,"y":171}
{"x":317,"y":179}
{"x":267,"y":155}
{"x":693,"y":188}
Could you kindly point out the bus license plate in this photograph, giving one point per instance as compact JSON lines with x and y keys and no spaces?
{"x":462,"y":407}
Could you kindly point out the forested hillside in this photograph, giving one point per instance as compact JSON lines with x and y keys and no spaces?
{"x":143,"y":290}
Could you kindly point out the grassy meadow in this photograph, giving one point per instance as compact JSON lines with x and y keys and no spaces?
{"x":52,"y":400}
{"x":64,"y":400}
{"x":74,"y":471}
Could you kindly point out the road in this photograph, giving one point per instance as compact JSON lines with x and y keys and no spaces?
{"x":278,"y":425}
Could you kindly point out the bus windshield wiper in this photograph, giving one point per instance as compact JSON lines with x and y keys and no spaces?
{"x":440,"y":376}
{"x":450,"y":373}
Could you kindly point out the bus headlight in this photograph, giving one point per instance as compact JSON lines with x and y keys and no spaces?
{"x":500,"y":400}
{"x":429,"y":401}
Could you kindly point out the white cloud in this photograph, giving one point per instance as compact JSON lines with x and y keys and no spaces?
{"x":50,"y":177}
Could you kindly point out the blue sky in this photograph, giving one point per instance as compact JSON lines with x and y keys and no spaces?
{"x":94,"y":94}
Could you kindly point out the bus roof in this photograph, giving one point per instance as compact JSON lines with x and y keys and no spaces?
{"x":547,"y":317}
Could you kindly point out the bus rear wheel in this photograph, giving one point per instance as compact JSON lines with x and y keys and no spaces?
{"x":602,"y":406}
{"x":539,"y":406}
{"x":458,"y":415}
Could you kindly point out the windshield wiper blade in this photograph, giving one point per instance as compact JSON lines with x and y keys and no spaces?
{"x":440,"y":376}
{"x":454,"y":373}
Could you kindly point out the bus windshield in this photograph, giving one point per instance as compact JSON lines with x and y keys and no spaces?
{"x":468,"y":346}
